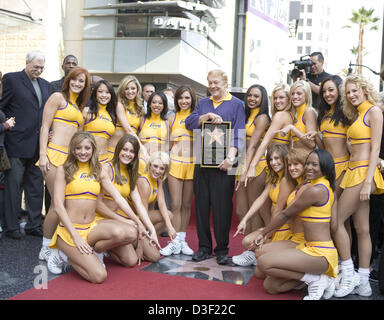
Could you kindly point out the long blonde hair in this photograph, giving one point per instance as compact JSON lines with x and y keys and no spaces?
{"x":123,"y":99}
{"x":361,"y":82}
{"x":285,"y":88}
{"x":71,"y":166}
{"x":307,"y":92}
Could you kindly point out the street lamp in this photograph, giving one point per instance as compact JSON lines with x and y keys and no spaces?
{"x":360,"y":65}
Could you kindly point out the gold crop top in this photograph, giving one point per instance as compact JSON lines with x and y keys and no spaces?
{"x":322,"y":212}
{"x":154,"y":130}
{"x":299,"y":122}
{"x":359,"y":131}
{"x":275,"y":189}
{"x":84,"y":185}
{"x":70,"y":114}
{"x":178,"y":130}
{"x":250,"y":126}
{"x":153,"y":185}
{"x":328,"y":128}
{"x":124,"y":189}
{"x":102,"y":126}
{"x":132,"y":116}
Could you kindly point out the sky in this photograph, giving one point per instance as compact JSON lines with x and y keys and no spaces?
{"x":343,"y":39}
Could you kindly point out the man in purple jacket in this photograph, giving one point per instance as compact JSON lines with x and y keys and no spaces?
{"x":214,"y":187}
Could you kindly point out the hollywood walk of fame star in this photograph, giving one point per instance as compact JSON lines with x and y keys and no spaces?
{"x":216,"y":135}
{"x":208,"y":267}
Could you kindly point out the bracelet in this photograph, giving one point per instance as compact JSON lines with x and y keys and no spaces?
{"x":231,"y":159}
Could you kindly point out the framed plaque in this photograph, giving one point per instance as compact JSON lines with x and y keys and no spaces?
{"x":215,"y":143}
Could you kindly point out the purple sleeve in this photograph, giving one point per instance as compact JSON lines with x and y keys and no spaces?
{"x":192,"y":121}
{"x":238,"y":126}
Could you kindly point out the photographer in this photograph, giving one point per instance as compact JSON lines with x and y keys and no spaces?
{"x":316,"y":76}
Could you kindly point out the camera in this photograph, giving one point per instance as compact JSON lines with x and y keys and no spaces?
{"x":302,"y":64}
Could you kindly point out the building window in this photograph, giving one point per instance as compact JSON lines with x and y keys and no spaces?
{"x":131,"y":26}
{"x":309,"y":8}
{"x":299,"y":50}
{"x":308,"y":50}
{"x":308,"y":36}
{"x":302,"y":8}
{"x":301,"y":22}
{"x":309,"y":22}
{"x":299,"y":36}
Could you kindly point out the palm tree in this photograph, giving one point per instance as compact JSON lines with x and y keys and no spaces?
{"x":362,"y":17}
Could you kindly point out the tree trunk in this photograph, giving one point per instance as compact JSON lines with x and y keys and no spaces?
{"x":360,"y":50}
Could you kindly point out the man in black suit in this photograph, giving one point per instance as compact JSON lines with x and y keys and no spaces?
{"x":24,"y":96}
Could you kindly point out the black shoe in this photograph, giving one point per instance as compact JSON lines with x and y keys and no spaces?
{"x":15,"y":234}
{"x":222,"y":259}
{"x":38,"y":232}
{"x":374,"y":276}
{"x":200,"y":256}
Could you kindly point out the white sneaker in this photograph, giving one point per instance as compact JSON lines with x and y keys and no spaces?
{"x":247,"y":258}
{"x":55,"y":262}
{"x":1,"y":229}
{"x":44,"y":253}
{"x":363,"y":290}
{"x":316,"y":288}
{"x":185,"y":249}
{"x":328,"y":292}
{"x":173,"y":247}
{"x":347,"y":284}
{"x":337,"y":281}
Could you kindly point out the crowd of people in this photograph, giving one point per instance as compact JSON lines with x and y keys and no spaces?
{"x":121,"y":167}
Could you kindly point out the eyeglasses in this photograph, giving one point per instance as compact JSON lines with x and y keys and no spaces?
{"x":38,"y":68}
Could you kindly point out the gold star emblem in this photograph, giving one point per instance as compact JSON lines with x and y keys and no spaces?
{"x":216,"y":136}
{"x":208,"y":267}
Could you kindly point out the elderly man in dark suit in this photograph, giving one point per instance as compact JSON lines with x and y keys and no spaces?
{"x":24,"y":96}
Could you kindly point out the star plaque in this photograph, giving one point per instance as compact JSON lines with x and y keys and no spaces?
{"x":215,"y":143}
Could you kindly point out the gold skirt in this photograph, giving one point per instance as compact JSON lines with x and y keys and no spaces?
{"x":324,"y":249}
{"x":356,"y":174}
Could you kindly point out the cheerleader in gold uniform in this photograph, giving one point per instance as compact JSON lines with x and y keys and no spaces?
{"x":314,"y":261}
{"x":305,"y":120}
{"x":294,"y":163}
{"x":277,"y":190}
{"x":129,"y":111}
{"x":154,"y":128}
{"x":360,"y":106}
{"x":150,"y":186}
{"x":100,"y":116}
{"x":256,"y":123}
{"x":333,"y":127}
{"x":81,"y":239}
{"x":282,"y":115}
{"x":63,"y":116}
{"x":180,"y":178}
{"x":123,"y":171}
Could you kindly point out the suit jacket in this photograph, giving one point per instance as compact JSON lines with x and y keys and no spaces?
{"x":57,"y":85}
{"x":20,"y":100}
{"x":2,"y":129}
